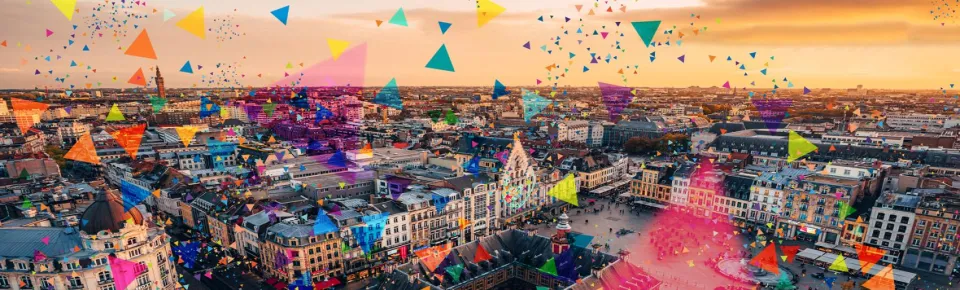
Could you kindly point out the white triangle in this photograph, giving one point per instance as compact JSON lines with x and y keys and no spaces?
{"x":167,"y":14}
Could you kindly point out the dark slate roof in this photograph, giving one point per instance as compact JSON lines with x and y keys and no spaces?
{"x":484,"y":145}
{"x":737,"y":186}
{"x":514,"y":246}
{"x":21,"y":242}
{"x":730,"y":127}
{"x":752,"y":125}
{"x":106,"y":213}
{"x":467,"y":181}
{"x":776,"y":142}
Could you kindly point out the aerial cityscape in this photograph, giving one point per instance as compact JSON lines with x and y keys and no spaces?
{"x":479,"y":144}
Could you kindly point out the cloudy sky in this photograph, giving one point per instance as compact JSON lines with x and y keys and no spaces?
{"x":814,"y":43}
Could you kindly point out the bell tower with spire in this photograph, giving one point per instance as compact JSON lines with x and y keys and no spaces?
{"x":160,"y":89}
{"x":559,"y":241}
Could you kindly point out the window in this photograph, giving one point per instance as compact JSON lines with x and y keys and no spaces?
{"x":26,"y":282}
{"x":104,"y":276}
{"x":904,"y":220}
{"x":921,"y":223}
{"x":880,"y":216}
{"x":73,"y":266}
{"x":22,"y":266}
{"x":131,"y":241}
{"x":142,"y":280}
{"x":45,"y":284}
{"x":3,"y":282}
{"x":892,"y":218}
{"x":135,"y":253}
{"x":108,"y":245}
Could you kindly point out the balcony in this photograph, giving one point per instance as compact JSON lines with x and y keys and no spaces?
{"x":105,"y":282}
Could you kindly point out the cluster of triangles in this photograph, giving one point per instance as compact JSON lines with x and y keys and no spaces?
{"x":772,"y":111}
{"x":346,"y":70}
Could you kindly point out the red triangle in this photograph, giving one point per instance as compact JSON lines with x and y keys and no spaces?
{"x":482,"y":254}
{"x":129,"y":138}
{"x":138,"y":78}
{"x":4,"y":44}
{"x":142,"y":46}
{"x":789,"y":251}
{"x":868,"y":256}
{"x":767,"y":260}
{"x":83,"y":151}
{"x":29,"y":110}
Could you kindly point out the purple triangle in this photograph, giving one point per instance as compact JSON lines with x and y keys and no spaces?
{"x":526,"y":45}
{"x":616,"y":98}
{"x":681,"y":58}
{"x":772,"y":111}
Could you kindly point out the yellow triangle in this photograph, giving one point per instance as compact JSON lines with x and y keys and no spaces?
{"x":186,"y":134}
{"x":337,"y":47}
{"x":193,"y":23}
{"x":486,"y":11}
{"x":66,"y":7}
{"x":115,"y":114}
{"x":839,"y":265}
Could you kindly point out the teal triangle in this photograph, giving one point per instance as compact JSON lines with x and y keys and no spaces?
{"x":441,"y":60}
{"x":281,"y":14}
{"x":399,"y":18}
{"x":646,"y":30}
{"x":187,"y":68}
{"x":444,"y":26}
{"x":389,"y":96}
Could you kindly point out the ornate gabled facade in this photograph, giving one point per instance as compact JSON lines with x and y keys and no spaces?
{"x":68,"y":258}
{"x":521,"y":193}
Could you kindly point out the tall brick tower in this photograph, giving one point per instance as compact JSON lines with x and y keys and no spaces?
{"x":160,"y":89}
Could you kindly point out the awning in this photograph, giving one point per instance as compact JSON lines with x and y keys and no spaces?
{"x":625,"y":194}
{"x":656,"y":205}
{"x":810,"y":254}
{"x":326,"y":284}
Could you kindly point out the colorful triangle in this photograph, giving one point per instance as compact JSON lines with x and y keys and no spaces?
{"x":565,"y":190}
{"x":486,"y":11}
{"x":399,"y":18}
{"x":83,"y":151}
{"x":129,"y":138}
{"x":138,"y":78}
{"x":444,"y":26}
{"x":186,"y":134}
{"x":281,"y":14}
{"x":646,"y":30}
{"x":30,"y":111}
{"x":115,"y":114}
{"x":798,"y":147}
{"x":441,"y":60}
{"x":66,"y":7}
{"x":187,"y":68}
{"x":193,"y":23}
{"x":337,"y":47}
{"x":141,"y":46}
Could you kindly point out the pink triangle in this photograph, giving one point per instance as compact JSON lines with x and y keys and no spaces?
{"x":604,"y":34}
{"x":347,"y":70}
{"x":45,"y":240}
{"x":49,"y":32}
{"x":726,"y":84}
{"x":124,"y":272}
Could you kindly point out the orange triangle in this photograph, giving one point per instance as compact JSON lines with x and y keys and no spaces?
{"x":712,"y":57}
{"x":767,"y":260}
{"x":882,"y":281}
{"x":27,"y":112}
{"x":137,"y":78}
{"x":129,"y":138}
{"x":142,"y":46}
{"x":832,"y":148}
{"x":868,"y":256}
{"x":83,"y":151}
{"x":379,"y":22}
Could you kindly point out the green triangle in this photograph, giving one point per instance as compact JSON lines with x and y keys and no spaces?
{"x":24,"y":174}
{"x":441,"y":60}
{"x":399,"y":18}
{"x":550,"y":267}
{"x":455,"y":272}
{"x":646,"y":30}
{"x":269,"y":108}
{"x":798,"y":147}
{"x":115,"y":114}
{"x":451,"y":118}
{"x":846,"y":210}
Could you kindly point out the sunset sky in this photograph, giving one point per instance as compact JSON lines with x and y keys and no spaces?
{"x":815,"y":43}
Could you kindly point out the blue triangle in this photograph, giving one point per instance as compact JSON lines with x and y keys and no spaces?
{"x":187,"y":68}
{"x":399,"y":18}
{"x":441,"y":60}
{"x":499,"y":90}
{"x":73,"y":63}
{"x":444,"y":26}
{"x":281,"y":14}
{"x":646,"y":30}
{"x":85,"y":48}
{"x":753,"y":54}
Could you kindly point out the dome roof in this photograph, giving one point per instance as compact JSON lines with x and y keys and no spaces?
{"x":106,"y":213}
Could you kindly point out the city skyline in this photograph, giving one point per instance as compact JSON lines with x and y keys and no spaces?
{"x":817,"y":44}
